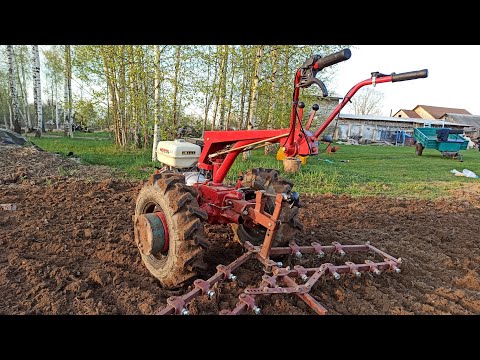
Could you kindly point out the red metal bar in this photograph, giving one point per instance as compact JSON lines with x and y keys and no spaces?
{"x":176,"y":305}
{"x":310,"y":120}
{"x":293,"y":115}
{"x":311,"y":250}
{"x":197,"y":291}
{"x":309,"y":300}
{"x":346,"y":99}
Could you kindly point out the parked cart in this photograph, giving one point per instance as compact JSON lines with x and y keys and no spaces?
{"x":448,"y":141}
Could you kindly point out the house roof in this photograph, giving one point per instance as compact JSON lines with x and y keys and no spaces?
{"x":437,"y":112}
{"x":471,"y":120}
{"x":409,"y":113}
{"x":400,"y":120}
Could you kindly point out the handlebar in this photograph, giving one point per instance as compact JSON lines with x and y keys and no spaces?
{"x":333,"y":59}
{"x":410,"y":75}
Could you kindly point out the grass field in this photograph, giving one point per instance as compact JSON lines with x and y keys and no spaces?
{"x":370,"y":170}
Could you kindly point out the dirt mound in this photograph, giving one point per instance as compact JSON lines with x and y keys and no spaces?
{"x":19,"y":164}
{"x":69,"y":249}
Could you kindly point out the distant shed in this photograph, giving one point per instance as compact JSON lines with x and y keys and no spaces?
{"x":378,"y":128}
{"x":472,"y":121}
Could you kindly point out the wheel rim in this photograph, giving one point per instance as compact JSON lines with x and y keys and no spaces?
{"x":151,"y":232}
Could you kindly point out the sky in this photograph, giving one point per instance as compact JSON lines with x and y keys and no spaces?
{"x":453,"y":75}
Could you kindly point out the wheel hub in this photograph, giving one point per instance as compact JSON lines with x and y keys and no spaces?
{"x":151,"y":233}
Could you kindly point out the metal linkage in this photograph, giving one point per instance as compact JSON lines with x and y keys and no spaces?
{"x":176,"y":305}
{"x":280,"y":275}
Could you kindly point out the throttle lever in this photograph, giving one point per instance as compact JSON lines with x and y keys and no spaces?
{"x":304,"y":83}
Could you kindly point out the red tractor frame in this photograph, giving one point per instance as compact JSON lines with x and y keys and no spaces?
{"x":246,"y":207}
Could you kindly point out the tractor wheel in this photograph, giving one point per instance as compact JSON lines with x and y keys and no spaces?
{"x":419,"y":149}
{"x":169,"y":230}
{"x":289,"y":228}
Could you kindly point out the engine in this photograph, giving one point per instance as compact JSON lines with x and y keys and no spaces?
{"x":178,"y":154}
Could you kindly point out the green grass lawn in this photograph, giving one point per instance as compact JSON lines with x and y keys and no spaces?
{"x":135,"y":163}
{"x":370,"y":170}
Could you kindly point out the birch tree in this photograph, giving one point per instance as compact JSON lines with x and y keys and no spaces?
{"x":13,"y":89}
{"x":37,"y":90}
{"x":22,"y":62}
{"x":156,"y":109}
{"x":67,"y":93}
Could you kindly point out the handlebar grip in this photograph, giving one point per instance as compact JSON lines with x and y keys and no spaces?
{"x":410,"y":75}
{"x":333,"y":59}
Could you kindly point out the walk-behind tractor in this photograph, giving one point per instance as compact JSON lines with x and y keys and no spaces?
{"x":261,"y":207}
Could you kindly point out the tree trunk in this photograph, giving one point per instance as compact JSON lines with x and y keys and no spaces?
{"x":133,"y":105}
{"x":56,"y":112}
{"x":67,"y":94}
{"x":231,"y":94}
{"x":244,"y":89}
{"x":209,"y":97}
{"x":175,"y":85}
{"x":13,"y":90}
{"x":254,"y":95}
{"x":271,"y":99}
{"x":23,"y":89}
{"x":37,"y":90}
{"x":223,"y":87}
{"x":122,"y":98}
{"x":10,"y":117}
{"x":217,"y":92}
{"x":156,"y":108}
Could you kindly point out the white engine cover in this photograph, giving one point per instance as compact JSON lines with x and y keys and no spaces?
{"x":179,"y":153}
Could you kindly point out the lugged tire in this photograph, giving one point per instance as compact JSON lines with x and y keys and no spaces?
{"x":186,"y":232}
{"x":289,"y":228}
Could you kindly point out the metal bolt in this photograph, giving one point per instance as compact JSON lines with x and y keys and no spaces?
{"x":210,"y":294}
{"x":279,"y":264}
{"x":304,"y":277}
{"x":336,"y":276}
{"x":298,"y":254}
{"x":269,"y":224}
{"x":184,"y":312}
{"x":358,"y":274}
{"x":232,"y":277}
{"x":257,"y":310}
{"x":342,"y":253}
{"x":245,"y":212}
{"x":321,"y":254}
{"x":376,"y":271}
{"x":397,"y":270}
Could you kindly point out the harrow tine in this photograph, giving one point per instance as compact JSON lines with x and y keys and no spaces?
{"x":308,"y":299}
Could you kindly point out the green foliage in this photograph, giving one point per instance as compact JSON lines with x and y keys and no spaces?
{"x":85,"y":113}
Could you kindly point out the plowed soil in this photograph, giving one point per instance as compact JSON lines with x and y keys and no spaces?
{"x":68,"y":248}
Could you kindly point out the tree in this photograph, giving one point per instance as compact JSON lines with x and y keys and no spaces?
{"x":23,"y":62}
{"x":13,"y":89}
{"x":254,"y":94}
{"x":54,"y":69}
{"x":367,"y":101}
{"x":156,"y":108}
{"x":67,"y":93}
{"x":37,"y":89}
